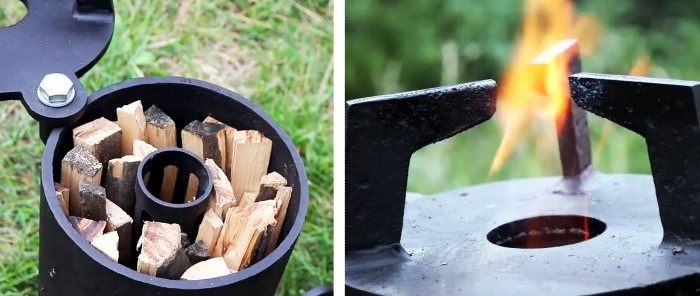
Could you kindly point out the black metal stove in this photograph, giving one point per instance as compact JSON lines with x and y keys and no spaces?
{"x":581,"y":233}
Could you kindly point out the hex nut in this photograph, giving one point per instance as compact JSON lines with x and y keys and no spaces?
{"x":56,"y":90}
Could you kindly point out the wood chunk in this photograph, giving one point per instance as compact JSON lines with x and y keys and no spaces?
{"x":246,"y":233}
{"x":223,"y":197}
{"x":248,"y":199}
{"x":63,"y":196}
{"x":249,"y":161}
{"x":79,"y":165}
{"x":88,"y":229}
{"x":133,"y":124}
{"x":103,"y":138}
{"x":161,"y":252}
{"x":121,"y":180}
{"x":120,"y":222}
{"x":197,"y":252}
{"x":142,"y":149}
{"x":209,"y":230}
{"x":268,"y":186}
{"x":284,"y":195}
{"x":93,"y":201}
{"x":108,"y":245}
{"x":229,"y":131}
{"x":160,"y":128}
{"x":206,"y":139}
{"x":214,"y":267}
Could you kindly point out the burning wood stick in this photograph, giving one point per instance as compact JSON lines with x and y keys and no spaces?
{"x":268,"y":186}
{"x":93,"y":199}
{"x":246,"y":233}
{"x":223,"y":197}
{"x":120,"y":222}
{"x":161,"y":133}
{"x":103,"y":138}
{"x":161,"y":252}
{"x":107,"y":244}
{"x":229,"y":132}
{"x":88,"y":229}
{"x":142,"y":149}
{"x":214,"y":267}
{"x":249,"y":161}
{"x":120,"y":181}
{"x":132,"y":121}
{"x":284,"y":194}
{"x":63,"y":195}
{"x":209,"y":230}
{"x":79,"y":165}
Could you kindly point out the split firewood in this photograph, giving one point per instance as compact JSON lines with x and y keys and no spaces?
{"x":161,"y":252}
{"x":197,"y":252}
{"x":63,"y":195}
{"x":184,"y":240}
{"x":247,"y":199}
{"x":249,"y":161}
{"x":120,"y":181}
{"x":206,"y":139}
{"x":93,"y":199}
{"x":161,"y":133}
{"x":142,"y":149}
{"x":78,"y":165}
{"x":246,"y":234}
{"x":103,"y":138}
{"x":228,"y":131}
{"x":120,"y":222}
{"x":133,"y":124}
{"x":88,"y":229}
{"x":214,"y":267}
{"x":209,"y":230}
{"x":268,"y":186}
{"x":223,"y":197}
{"x":284,"y":194}
{"x":108,"y":245}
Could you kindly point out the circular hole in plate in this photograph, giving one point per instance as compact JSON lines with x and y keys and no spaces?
{"x":546,"y":231}
{"x":11,"y":12}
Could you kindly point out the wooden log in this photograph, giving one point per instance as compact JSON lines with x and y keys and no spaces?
{"x":223,"y":197}
{"x":78,"y":165}
{"x":108,"y":244}
{"x":282,"y":198}
{"x":214,"y":267}
{"x":120,"y":222}
{"x":248,"y":199}
{"x":209,"y":230}
{"x":249,"y":161}
{"x":63,"y":195}
{"x":120,"y":181}
{"x":142,"y":149}
{"x":103,"y":138}
{"x":88,"y":229}
{"x":93,"y":201}
{"x":161,"y":252}
{"x":132,"y":121}
{"x":197,"y":252}
{"x":246,"y":233}
{"x":206,"y":139}
{"x":161,"y":133}
{"x":229,"y":132}
{"x":268,"y":186}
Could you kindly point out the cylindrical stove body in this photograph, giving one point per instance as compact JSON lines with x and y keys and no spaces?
{"x":69,"y":265}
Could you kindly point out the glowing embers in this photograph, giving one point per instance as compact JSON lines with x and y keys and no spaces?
{"x":546,"y":231}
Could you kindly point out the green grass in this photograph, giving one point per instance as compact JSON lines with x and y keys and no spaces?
{"x":421,"y":44}
{"x":277,"y":53}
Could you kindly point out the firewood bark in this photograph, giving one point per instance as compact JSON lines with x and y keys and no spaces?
{"x":93,"y":201}
{"x":207,"y":140}
{"x":282,"y":198}
{"x":120,"y":222}
{"x":229,"y":132}
{"x":63,"y":196}
{"x":162,"y":254}
{"x":223,"y":197}
{"x":161,"y":133}
{"x":268,"y":186}
{"x":214,"y":267}
{"x":246,"y":233}
{"x":197,"y":252}
{"x":79,"y":165}
{"x":250,"y":158}
{"x":132,"y":121}
{"x":108,"y":245}
{"x":103,"y":138}
{"x":209,"y":230}
{"x":88,"y":229}
{"x":120,"y":181}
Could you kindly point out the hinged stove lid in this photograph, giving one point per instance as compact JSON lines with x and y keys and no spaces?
{"x":56,"y":36}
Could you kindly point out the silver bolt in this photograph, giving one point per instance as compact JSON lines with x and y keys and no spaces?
{"x":55,"y":90}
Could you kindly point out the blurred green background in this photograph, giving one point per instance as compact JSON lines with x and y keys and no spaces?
{"x":396,"y":46}
{"x":277,"y":53}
